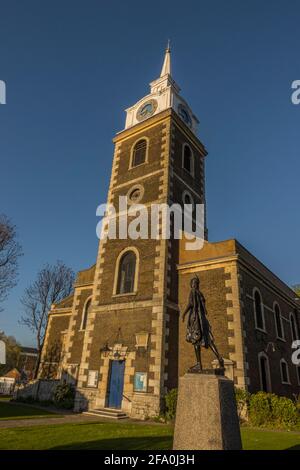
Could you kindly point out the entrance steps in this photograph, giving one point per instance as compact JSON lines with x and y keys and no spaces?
{"x":111,"y":413}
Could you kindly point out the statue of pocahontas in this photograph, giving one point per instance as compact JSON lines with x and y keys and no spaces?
{"x":198,"y":327}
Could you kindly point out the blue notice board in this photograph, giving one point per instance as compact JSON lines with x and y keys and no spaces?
{"x":140,"y":381}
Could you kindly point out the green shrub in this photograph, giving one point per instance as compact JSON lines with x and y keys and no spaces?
{"x":285,"y":413}
{"x":242,"y":401}
{"x":297,"y":402}
{"x":64,"y":395}
{"x":171,"y":402}
{"x":260,"y":410}
{"x":270,"y":410}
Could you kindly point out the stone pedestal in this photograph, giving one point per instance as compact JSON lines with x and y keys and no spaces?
{"x":206,"y":415}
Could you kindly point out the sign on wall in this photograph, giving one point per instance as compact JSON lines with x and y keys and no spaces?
{"x":140,"y":381}
{"x":2,"y":352}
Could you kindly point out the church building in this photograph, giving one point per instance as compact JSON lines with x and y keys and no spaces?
{"x":119,"y":337}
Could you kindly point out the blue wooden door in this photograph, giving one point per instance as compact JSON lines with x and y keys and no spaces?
{"x":116,"y":383}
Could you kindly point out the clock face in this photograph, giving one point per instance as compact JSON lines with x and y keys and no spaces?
{"x":185,"y":115}
{"x":146,"y":110}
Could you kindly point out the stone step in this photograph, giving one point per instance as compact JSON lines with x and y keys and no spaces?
{"x":106,"y":413}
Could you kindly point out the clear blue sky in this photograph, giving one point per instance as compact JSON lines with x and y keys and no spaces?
{"x":72,"y":67}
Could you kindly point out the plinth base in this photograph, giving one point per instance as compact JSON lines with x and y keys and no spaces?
{"x":206,"y":415}
{"x":196,"y":370}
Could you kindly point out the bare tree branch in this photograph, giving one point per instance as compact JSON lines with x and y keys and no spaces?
{"x":10,"y":251}
{"x":53,"y":283}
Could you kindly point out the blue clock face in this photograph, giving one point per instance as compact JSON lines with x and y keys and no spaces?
{"x":146,"y":110}
{"x":184,"y":114}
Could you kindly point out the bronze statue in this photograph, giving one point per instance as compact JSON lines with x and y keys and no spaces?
{"x":198,"y":328}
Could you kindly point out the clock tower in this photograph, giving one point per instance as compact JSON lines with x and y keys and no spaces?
{"x":133,"y":318}
{"x":164,"y":94}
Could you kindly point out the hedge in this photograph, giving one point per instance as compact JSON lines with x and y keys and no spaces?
{"x":269,"y":410}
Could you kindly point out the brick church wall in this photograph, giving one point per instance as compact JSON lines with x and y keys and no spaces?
{"x":107,"y":326}
{"x":53,"y":346}
{"x":257,"y":341}
{"x":214,"y":289}
{"x":75,"y":347}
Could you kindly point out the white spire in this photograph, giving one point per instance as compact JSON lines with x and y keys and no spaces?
{"x":164,"y":94}
{"x":166,"y":68}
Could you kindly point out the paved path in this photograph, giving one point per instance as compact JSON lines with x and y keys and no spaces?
{"x":66,"y":417}
{"x":76,"y":418}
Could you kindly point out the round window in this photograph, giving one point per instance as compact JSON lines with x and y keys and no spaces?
{"x":135,"y":194}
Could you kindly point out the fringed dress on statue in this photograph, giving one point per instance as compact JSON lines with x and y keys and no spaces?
{"x":198,"y":327}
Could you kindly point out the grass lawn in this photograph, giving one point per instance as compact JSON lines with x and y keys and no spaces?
{"x":258,"y":439}
{"x":125,"y":436}
{"x":19,"y":411}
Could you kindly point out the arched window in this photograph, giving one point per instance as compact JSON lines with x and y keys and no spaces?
{"x":264,"y":372}
{"x":188,"y":159}
{"x":284,"y":370}
{"x":139,"y":153}
{"x":278,"y":322}
{"x":126,"y":274}
{"x":85,"y":315}
{"x":187,"y":198}
{"x":258,"y":310}
{"x":294,"y":328}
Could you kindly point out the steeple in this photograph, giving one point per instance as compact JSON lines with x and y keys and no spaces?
{"x":166,"y":68}
{"x":164,"y":94}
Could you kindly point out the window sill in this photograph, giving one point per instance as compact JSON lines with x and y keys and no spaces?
{"x":281,"y":339}
{"x":286,"y":383}
{"x":128,"y":294}
{"x":138,"y":166}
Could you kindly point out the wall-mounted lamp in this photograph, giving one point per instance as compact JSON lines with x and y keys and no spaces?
{"x":105,"y":351}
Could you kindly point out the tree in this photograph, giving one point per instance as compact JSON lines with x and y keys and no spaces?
{"x":53,"y":283}
{"x":297,"y":289}
{"x":10,"y":251}
{"x":12,"y":353}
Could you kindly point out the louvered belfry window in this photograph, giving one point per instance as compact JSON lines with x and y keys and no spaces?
{"x":139,"y":152}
